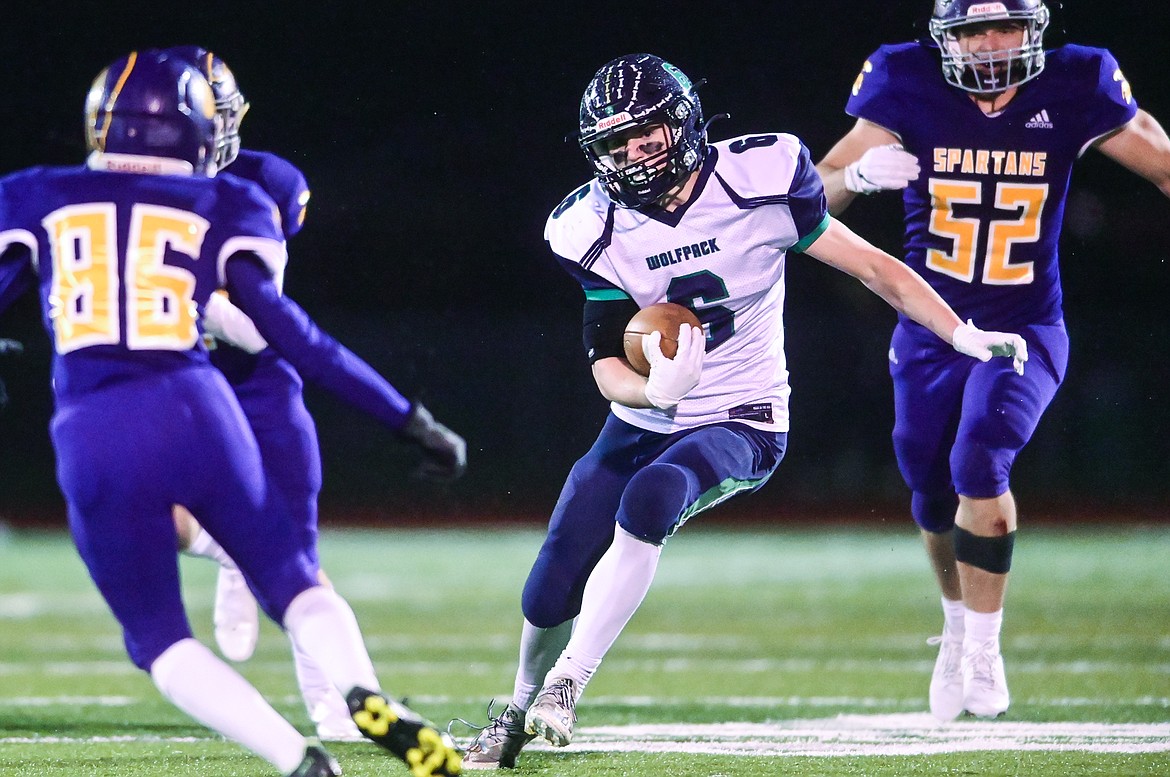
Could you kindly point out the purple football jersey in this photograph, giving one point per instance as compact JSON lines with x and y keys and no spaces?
{"x":983,"y":220}
{"x":265,"y":382}
{"x":125,"y":261}
{"x":281,"y":180}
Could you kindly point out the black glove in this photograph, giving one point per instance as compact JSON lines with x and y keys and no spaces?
{"x":444,"y":452}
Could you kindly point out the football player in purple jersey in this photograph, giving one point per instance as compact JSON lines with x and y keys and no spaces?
{"x":270,"y":392}
{"x":126,"y":252}
{"x":671,"y":217}
{"x":979,"y":127}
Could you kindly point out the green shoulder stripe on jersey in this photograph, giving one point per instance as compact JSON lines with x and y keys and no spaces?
{"x":811,"y":237}
{"x":605,"y":294}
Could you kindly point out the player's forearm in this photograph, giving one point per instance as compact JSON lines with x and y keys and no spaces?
{"x":910,"y":295}
{"x":618,"y":383}
{"x":838,"y":196}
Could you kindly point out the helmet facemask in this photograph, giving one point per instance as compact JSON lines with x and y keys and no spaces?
{"x":652,"y":177}
{"x":632,"y":94}
{"x":229,"y":104}
{"x":992,"y":72}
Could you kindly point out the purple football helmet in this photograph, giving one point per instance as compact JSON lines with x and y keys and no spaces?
{"x":994,"y":71}
{"x":634,"y":91}
{"x":152,"y":104}
{"x":229,"y":100}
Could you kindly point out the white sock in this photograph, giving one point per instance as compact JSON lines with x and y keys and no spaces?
{"x":982,"y":627}
{"x":322,"y":700}
{"x":201,"y":685}
{"x":205,"y":546}
{"x":321,"y":624}
{"x":954,"y":615}
{"x":615,"y":589}
{"x":539,"y":649}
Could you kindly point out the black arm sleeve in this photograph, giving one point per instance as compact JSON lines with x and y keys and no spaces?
{"x":605,"y":323}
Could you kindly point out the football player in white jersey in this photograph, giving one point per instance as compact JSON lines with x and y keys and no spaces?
{"x":669,"y":217}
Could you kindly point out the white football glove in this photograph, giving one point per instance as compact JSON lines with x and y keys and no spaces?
{"x":972,"y":341}
{"x":881,"y":167}
{"x":224,"y":321}
{"x":672,"y":379}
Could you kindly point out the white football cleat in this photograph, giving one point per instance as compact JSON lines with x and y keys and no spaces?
{"x":331,"y":717}
{"x":985,"y":691}
{"x":237,"y":618}
{"x":946,"y":684}
{"x":336,"y":729}
{"x":553,"y":713}
{"x":499,"y":742}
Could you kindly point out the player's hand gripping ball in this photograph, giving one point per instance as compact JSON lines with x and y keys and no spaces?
{"x":664,"y":317}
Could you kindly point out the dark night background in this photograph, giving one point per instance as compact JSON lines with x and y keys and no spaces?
{"x":431,"y":135}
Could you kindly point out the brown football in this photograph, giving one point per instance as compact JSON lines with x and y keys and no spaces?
{"x":664,"y":317}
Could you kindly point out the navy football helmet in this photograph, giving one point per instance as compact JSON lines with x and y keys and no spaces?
{"x":150,"y":103}
{"x":995,"y":71}
{"x":229,"y":100}
{"x":639,"y":90}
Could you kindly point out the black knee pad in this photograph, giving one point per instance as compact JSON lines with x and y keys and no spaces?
{"x":991,"y":554}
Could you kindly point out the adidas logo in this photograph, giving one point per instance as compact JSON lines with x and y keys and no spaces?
{"x":1039,"y":121}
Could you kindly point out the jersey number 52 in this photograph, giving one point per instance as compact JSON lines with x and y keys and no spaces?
{"x":1027,"y":199}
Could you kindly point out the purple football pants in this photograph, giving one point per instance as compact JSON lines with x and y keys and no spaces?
{"x":959,"y":423}
{"x":128,"y":452}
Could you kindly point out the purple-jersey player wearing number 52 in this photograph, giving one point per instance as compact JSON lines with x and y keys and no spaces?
{"x":980,"y":128}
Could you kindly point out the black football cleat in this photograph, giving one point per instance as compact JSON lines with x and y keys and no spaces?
{"x":317,"y":763}
{"x":425,"y":750}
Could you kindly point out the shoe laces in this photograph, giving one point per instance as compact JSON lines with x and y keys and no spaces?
{"x":562,"y":693}
{"x":950,"y":648}
{"x":498,"y":727}
{"x":982,"y":663}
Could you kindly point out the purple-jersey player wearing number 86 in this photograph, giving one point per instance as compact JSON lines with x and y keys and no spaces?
{"x":980,"y":128}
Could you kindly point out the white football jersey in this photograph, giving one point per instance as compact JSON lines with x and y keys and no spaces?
{"x":721,"y":254}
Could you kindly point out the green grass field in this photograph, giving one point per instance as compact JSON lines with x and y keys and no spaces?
{"x":756,"y":653}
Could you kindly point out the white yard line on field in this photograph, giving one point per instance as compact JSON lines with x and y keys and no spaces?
{"x":844,"y":735}
{"x":858,"y":735}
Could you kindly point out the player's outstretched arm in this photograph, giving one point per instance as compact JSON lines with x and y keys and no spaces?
{"x":906,"y":291}
{"x":1143,"y":147}
{"x":324,"y":361}
{"x":869,"y":158}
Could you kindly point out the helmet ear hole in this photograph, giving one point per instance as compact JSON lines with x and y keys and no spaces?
{"x":640,"y":90}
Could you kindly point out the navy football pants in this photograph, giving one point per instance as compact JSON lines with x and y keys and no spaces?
{"x":649,"y":484}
